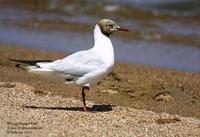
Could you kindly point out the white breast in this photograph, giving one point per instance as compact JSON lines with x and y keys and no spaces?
{"x":102,"y":48}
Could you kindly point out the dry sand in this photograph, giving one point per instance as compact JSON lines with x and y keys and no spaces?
{"x":134,"y":100}
{"x":25,"y":113}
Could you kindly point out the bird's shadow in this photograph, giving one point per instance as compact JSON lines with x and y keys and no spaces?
{"x":94,"y":108}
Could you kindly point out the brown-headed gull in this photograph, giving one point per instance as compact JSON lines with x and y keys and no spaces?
{"x":86,"y":67}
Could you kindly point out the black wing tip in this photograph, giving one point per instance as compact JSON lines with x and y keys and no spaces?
{"x":29,"y":62}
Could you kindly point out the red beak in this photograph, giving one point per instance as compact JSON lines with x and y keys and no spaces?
{"x":123,"y":29}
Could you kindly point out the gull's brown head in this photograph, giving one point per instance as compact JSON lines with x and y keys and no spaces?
{"x":108,"y":27}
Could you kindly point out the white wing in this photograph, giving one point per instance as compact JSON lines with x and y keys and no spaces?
{"x":78,"y":64}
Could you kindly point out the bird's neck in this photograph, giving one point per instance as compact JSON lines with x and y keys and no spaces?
{"x":103,"y":46}
{"x":101,"y":41}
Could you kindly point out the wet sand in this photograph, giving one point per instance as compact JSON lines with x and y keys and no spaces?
{"x":138,"y":87}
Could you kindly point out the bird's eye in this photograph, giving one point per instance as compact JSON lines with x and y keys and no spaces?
{"x":110,"y":25}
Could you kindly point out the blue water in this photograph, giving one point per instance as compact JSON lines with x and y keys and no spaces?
{"x":160,"y":54}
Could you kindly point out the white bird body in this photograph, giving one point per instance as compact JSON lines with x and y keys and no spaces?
{"x":84,"y":67}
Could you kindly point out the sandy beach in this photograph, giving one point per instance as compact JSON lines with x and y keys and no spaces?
{"x":133,"y":100}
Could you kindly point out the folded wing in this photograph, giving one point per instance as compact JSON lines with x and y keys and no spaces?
{"x":77,"y":64}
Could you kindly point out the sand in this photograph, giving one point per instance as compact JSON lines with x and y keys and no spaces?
{"x":134,"y":100}
{"x":23,"y":112}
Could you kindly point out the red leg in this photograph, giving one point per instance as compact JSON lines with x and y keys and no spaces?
{"x":83,"y":98}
